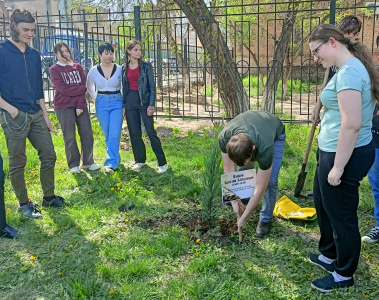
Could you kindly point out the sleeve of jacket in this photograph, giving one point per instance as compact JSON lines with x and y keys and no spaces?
{"x":82,"y":103}
{"x":62,"y":87}
{"x":151,"y":85}
{"x":123,"y":85}
{"x":39,"y":78}
{"x":91,"y":83}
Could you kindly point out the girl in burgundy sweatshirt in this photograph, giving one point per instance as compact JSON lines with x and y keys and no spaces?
{"x":69,"y":81}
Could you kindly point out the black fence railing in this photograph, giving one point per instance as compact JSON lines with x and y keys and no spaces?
{"x":187,"y":75}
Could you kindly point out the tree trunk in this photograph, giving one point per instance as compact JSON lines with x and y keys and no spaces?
{"x":231,"y":90}
{"x":281,"y":48}
{"x":286,"y":75}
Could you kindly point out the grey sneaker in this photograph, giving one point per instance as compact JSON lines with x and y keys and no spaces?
{"x":372,"y":236}
{"x":263,"y":229}
{"x":30,"y":210}
{"x":313,"y":258}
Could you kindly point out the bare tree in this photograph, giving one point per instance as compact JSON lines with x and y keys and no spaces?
{"x":231,"y":90}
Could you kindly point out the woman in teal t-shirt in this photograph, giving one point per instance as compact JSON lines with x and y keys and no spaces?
{"x":346,"y":152}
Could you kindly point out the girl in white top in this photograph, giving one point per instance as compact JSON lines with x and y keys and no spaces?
{"x":104,"y":85}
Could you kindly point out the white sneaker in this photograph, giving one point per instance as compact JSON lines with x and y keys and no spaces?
{"x":75,"y":170}
{"x":92,"y":167}
{"x":108,"y":170}
{"x":138,"y":166}
{"x":162,"y":169}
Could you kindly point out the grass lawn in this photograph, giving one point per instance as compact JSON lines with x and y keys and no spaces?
{"x":126,"y":235}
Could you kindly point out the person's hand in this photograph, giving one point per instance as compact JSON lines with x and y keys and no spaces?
{"x":314,"y":115}
{"x":150,"y":111}
{"x":242,"y":221}
{"x":13,"y":112}
{"x":334,"y":176}
{"x":79,"y":111}
{"x":123,"y":113}
{"x":48,"y":123}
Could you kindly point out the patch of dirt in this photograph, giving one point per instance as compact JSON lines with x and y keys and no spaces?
{"x":222,"y":230}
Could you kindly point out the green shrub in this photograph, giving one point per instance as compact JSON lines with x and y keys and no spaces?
{"x":210,"y":183}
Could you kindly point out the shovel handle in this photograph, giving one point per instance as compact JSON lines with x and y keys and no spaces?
{"x":240,"y":234}
{"x":314,"y":125}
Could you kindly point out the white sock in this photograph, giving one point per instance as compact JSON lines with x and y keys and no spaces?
{"x":338,"y":277}
{"x":326,"y":260}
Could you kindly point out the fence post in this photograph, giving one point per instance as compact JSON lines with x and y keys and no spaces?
{"x":137,"y":22}
{"x":86,"y":56}
{"x":332,"y":15}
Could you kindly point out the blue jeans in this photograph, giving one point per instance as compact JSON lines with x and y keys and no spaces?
{"x":109,"y":114}
{"x":269,"y":198}
{"x":373,"y":177}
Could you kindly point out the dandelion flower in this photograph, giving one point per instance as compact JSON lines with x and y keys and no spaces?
{"x":126,"y":220}
{"x":312,"y":274}
{"x":372,"y":294}
{"x":9,"y":211}
{"x":118,"y":188}
{"x":112,"y":188}
{"x":111,"y":292}
{"x":27,"y":182}
{"x":366,"y":296}
{"x":350,"y":287}
{"x":22,"y":268}
{"x":32,"y":171}
{"x":90,"y":191}
{"x":32,"y":257}
{"x":197,"y":253}
{"x":198,"y":240}
{"x":60,"y":274}
{"x":367,"y":222}
{"x":118,"y":184}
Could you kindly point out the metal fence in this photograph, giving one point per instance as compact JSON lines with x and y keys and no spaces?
{"x":185,"y":73}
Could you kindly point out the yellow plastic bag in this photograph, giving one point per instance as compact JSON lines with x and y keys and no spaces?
{"x":288,"y":210}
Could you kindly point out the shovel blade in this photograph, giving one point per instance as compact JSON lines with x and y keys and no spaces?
{"x":300,"y":182}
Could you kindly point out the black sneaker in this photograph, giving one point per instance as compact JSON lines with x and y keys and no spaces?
{"x":55,"y":202}
{"x":327,"y":284}
{"x":9,"y":233}
{"x":313,"y":258}
{"x":30,"y":210}
{"x":372,"y":236}
{"x":263,"y":229}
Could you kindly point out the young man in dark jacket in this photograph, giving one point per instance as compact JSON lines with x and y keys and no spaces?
{"x":5,"y":230}
{"x":23,"y":115}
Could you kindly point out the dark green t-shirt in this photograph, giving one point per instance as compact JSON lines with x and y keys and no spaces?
{"x":262,"y":128}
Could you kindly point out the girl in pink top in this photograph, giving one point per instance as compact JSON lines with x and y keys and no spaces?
{"x":69,"y":81}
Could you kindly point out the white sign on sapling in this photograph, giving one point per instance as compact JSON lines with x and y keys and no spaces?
{"x":238,"y":185}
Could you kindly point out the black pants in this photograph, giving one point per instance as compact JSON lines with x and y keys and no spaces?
{"x":336,"y":208}
{"x":2,"y":205}
{"x":134,"y":111}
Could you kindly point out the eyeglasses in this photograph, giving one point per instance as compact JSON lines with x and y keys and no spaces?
{"x":315,"y":51}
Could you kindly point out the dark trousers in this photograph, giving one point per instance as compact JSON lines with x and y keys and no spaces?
{"x":2,"y":205}
{"x":69,"y":120}
{"x":336,"y":208}
{"x":134,"y":111}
